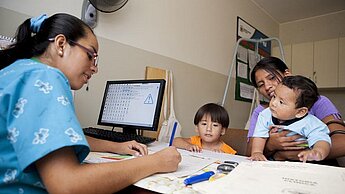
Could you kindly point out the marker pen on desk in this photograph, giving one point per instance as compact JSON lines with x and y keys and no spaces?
{"x":173,"y":134}
{"x":198,"y":178}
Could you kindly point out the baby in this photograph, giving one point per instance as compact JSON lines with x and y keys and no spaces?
{"x":288,"y":110}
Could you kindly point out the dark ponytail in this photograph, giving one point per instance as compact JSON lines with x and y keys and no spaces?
{"x":29,"y":44}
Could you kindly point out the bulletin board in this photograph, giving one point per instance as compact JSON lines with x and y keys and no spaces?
{"x":248,"y":54}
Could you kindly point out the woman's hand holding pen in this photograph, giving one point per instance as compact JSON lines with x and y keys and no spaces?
{"x":168,"y":159}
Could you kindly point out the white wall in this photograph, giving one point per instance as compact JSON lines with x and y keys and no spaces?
{"x":313,"y":29}
{"x":199,"y":32}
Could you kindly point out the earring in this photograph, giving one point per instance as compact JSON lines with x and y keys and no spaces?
{"x":60,"y":53}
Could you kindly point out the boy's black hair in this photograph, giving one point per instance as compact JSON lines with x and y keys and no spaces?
{"x":305,"y":88}
{"x":272,"y":65}
{"x":218,"y":114}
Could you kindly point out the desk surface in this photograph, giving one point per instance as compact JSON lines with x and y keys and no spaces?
{"x":173,"y":182}
{"x":248,"y":177}
{"x":191,"y":164}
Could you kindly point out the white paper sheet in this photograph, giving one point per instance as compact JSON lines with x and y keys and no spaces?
{"x":242,"y":70}
{"x":278,"y":177}
{"x":101,"y":157}
{"x":190,"y":164}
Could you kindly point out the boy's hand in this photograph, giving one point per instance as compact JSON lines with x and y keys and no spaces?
{"x":310,"y":155}
{"x":217,"y":150}
{"x":257,"y":156}
{"x":194,"y":148}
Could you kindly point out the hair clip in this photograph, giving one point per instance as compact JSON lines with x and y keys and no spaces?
{"x":36,"y":22}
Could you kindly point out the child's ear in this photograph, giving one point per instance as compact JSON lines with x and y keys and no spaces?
{"x":301,"y":112}
{"x":196,"y":129}
{"x":223,"y":131}
{"x":287,"y":72}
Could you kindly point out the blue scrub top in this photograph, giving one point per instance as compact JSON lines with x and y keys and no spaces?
{"x":37,"y":117}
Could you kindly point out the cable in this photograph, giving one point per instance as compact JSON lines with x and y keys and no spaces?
{"x":87,"y":87}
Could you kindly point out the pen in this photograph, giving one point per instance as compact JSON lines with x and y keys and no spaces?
{"x":173,"y":134}
{"x":198,"y":178}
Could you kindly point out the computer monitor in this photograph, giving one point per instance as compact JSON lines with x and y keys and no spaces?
{"x":132,"y":104}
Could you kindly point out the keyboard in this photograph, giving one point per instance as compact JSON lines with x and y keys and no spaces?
{"x":116,"y":136}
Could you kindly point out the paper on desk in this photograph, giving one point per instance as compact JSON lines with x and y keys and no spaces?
{"x":278,"y":177}
{"x":190,"y":163}
{"x":173,"y":182}
{"x":101,"y":157}
{"x":220,"y":156}
{"x":193,"y":162}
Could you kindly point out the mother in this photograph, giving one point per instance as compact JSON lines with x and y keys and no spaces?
{"x":265,"y":77}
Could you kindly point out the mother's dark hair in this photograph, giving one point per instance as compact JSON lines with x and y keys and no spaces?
{"x":272,"y":65}
{"x":29,"y":44}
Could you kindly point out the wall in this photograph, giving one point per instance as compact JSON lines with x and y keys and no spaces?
{"x":198,"y":32}
{"x":194,"y":38}
{"x":314,"y":29}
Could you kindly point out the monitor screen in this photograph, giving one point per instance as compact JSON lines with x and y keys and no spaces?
{"x":132,"y":104}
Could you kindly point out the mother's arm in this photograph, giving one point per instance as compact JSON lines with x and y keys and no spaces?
{"x":338,"y":140}
{"x":280,"y":147}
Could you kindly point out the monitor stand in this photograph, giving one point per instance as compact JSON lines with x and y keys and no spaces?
{"x":128,"y":130}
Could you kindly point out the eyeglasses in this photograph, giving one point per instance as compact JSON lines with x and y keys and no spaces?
{"x":90,"y":53}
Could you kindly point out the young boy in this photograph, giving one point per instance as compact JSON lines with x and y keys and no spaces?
{"x":211,"y":121}
{"x":288,"y":110}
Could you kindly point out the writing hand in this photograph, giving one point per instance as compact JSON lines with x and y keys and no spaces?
{"x":169,"y":157}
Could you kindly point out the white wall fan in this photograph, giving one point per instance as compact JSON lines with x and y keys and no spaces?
{"x":90,"y":7}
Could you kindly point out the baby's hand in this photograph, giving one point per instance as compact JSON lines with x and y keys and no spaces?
{"x":275,"y":128}
{"x":309,"y":155}
{"x":257,"y":156}
{"x":194,"y":148}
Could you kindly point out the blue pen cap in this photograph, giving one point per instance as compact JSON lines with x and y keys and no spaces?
{"x":198,"y":178}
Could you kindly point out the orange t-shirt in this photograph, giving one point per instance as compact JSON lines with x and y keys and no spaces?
{"x":196,"y":140}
